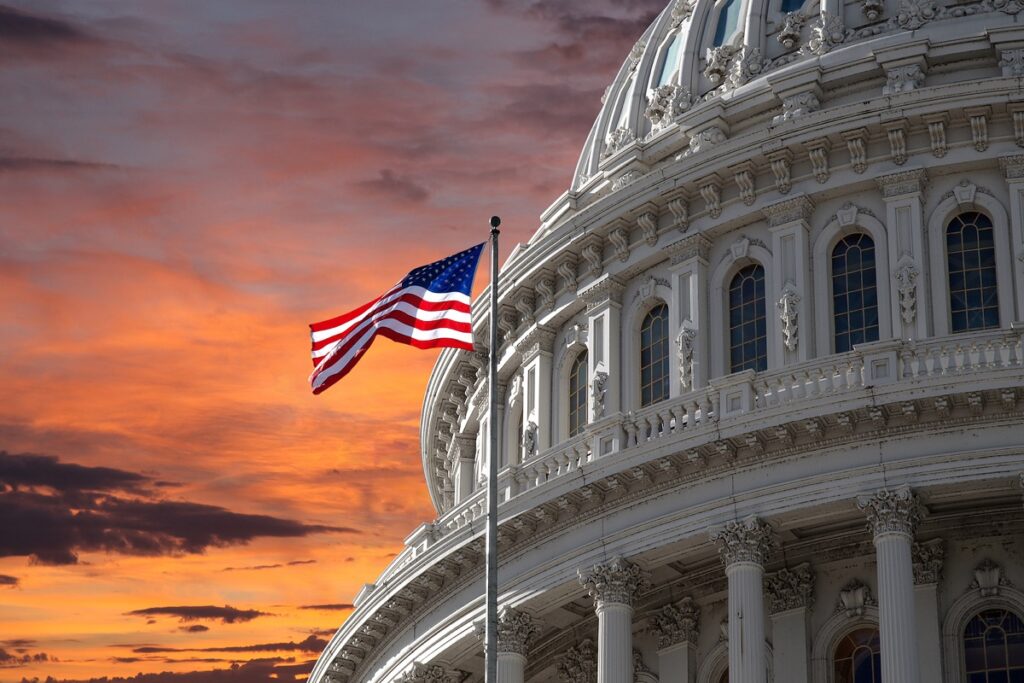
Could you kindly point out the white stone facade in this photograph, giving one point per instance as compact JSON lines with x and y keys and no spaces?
{"x":745,"y":521}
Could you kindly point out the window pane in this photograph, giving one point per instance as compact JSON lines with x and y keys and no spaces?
{"x":668,"y":66}
{"x":578,"y":394}
{"x":970,"y":254}
{"x":854,"y":296}
{"x":654,"y":382}
{"x":747,"y":336}
{"x":728,"y":18}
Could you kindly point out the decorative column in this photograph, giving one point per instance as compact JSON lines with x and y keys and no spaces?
{"x":790,"y":598}
{"x":604,"y":304}
{"x":516,"y":632}
{"x":892,"y":518}
{"x":745,"y":546}
{"x":1013,"y":168}
{"x":464,"y":452}
{"x":928,"y":560}
{"x":904,"y":195}
{"x":792,"y":276}
{"x":688,"y":315}
{"x":677,"y":632}
{"x":614,"y":587}
{"x":535,"y":348}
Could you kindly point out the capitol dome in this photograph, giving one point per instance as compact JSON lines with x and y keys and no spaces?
{"x":760,"y":370}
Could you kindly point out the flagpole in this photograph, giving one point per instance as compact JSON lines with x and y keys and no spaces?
{"x":491,"y":635}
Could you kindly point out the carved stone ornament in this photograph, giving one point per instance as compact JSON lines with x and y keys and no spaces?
{"x":627,"y":178}
{"x":598,"y":391}
{"x":545,"y":293}
{"x":906,"y":284}
{"x":429,"y":673}
{"x":576,"y":336}
{"x":636,"y":54}
{"x":567,"y":273}
{"x":619,"y":237}
{"x":817,"y":153}
{"x":579,"y":663}
{"x":616,"y":581}
{"x":789,"y":34}
{"x":903,"y":79}
{"x":872,"y":9}
{"x":789,"y":308}
{"x":716,"y":63}
{"x":680,"y":209}
{"x":790,"y":588}
{"x":827,"y":31}
{"x":706,"y":139}
{"x":594,"y":256}
{"x":744,"y":177}
{"x":988,"y":579}
{"x":782,"y":163}
{"x":685,"y":343}
{"x":648,"y":224}
{"x":797,"y":208}
{"x":516,"y":631}
{"x":739,"y":248}
{"x":516,"y":391}
{"x":1012,"y":63}
{"x":891,"y":511}
{"x":748,"y":540}
{"x":618,"y":139}
{"x":856,"y":145}
{"x":795,"y":106}
{"x":928,"y":559}
{"x":529,"y":439}
{"x":664,"y":104}
{"x":676,"y":624}
{"x":854,"y":598}
{"x":681,"y":11}
{"x":712,"y":194}
{"x":913,"y":14}
{"x":747,"y":63}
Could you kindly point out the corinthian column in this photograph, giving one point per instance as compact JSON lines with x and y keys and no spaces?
{"x":892,"y":517}
{"x":745,"y":546}
{"x":516,"y":631}
{"x":614,"y":587}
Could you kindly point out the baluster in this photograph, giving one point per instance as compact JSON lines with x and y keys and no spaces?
{"x":972,"y":356}
{"x":943,"y":360}
{"x":666,"y":420}
{"x":1004,"y":353}
{"x":990,"y":354}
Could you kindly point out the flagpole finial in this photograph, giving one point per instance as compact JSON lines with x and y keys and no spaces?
{"x":495,"y":222}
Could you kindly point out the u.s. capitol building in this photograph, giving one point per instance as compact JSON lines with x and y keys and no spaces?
{"x":761,"y":413}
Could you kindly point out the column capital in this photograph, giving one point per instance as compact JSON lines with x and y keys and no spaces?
{"x":695,"y":246}
{"x":748,"y":540}
{"x":675,"y":624}
{"x":891,"y":511}
{"x":516,"y":631}
{"x":616,"y":581}
{"x":579,"y":663}
{"x":798,"y":208}
{"x":907,"y":182}
{"x":539,"y":339}
{"x":928,"y":559}
{"x":605,"y":290}
{"x":1013,"y":166}
{"x":790,"y":588}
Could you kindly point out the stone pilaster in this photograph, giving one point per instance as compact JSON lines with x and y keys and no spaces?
{"x":536,"y":348}
{"x":614,"y":587}
{"x":604,"y":307}
{"x":904,"y":196}
{"x":892,"y":518}
{"x":928,"y":560}
{"x":745,"y":546}
{"x":790,"y":597}
{"x":688,"y":314}
{"x":676,"y":627}
{"x":1013,"y":170}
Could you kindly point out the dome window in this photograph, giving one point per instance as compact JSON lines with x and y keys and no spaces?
{"x":791,"y":5}
{"x":578,"y":394}
{"x":728,"y":20}
{"x":668,"y":64}
{"x":971,"y":261}
{"x":748,"y":340}
{"x":994,"y":647}
{"x":854,"y":292}
{"x":858,"y":657}
{"x":654,"y":356}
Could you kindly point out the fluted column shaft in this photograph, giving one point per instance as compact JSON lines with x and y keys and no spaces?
{"x":745,"y":546}
{"x":511,"y":667}
{"x":746,"y":622}
{"x":614,"y":586}
{"x":892,"y":517}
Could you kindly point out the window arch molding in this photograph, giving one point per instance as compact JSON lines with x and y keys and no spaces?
{"x":939,"y":219}
{"x":716,"y":662}
{"x":572,"y":347}
{"x":827,"y":640}
{"x":643,"y":303}
{"x":962,"y":611}
{"x":718,"y":346}
{"x":825,"y":243}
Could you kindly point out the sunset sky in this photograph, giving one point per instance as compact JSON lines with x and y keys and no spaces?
{"x":184,"y":185}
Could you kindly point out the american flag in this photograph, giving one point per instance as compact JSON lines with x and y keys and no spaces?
{"x":428,"y":308}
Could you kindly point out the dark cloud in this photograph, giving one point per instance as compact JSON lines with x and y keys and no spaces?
{"x":258,"y":567}
{"x":14,"y":164}
{"x":390,"y":186}
{"x":310,"y":644}
{"x":270,"y":670}
{"x":8,"y":581}
{"x":20,"y":27}
{"x":195,"y":628}
{"x":225,"y":614}
{"x":13,"y":659}
{"x":55,"y":510}
{"x":332,"y":607}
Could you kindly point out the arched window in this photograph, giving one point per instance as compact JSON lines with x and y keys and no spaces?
{"x":748,"y":341}
{"x":668,"y":65}
{"x":728,"y":19}
{"x":578,"y":394}
{"x":971,"y":256}
{"x":994,"y":647}
{"x":858,"y":657}
{"x":854,"y":294}
{"x":654,"y":356}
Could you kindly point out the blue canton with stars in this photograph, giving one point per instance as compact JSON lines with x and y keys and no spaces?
{"x":452,"y":274}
